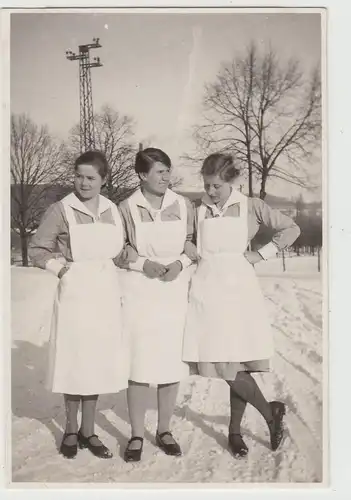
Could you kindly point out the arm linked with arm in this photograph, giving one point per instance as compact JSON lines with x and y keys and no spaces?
{"x":189,"y":246}
{"x":128,"y":258}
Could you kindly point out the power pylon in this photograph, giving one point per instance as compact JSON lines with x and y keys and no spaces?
{"x":87,"y":135}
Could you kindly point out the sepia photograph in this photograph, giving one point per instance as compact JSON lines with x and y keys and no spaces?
{"x":168,"y":249}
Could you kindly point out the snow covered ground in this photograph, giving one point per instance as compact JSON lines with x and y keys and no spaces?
{"x":200,"y":422}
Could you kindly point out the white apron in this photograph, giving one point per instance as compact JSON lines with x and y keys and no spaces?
{"x":88,"y":354}
{"x":227,"y":318}
{"x":154,"y":311}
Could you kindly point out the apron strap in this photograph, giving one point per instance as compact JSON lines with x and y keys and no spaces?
{"x":244,"y":214}
{"x":243,"y":207}
{"x":116,"y":215}
{"x":183,"y":214}
{"x":201,"y":212}
{"x":135,"y":214}
{"x":134,"y":211}
{"x":69,"y":214}
{"x":71,"y":223}
{"x":183,"y":208}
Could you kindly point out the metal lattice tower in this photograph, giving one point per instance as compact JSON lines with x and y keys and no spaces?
{"x":87,"y":136}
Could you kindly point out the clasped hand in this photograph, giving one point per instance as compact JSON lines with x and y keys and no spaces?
{"x":164,"y":273}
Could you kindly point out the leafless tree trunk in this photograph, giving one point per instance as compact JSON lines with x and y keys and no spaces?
{"x":267,"y":114}
{"x":115,"y":138}
{"x":36,"y":166}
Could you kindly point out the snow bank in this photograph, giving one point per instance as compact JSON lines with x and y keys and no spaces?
{"x":202,"y":414}
{"x":305,"y":266}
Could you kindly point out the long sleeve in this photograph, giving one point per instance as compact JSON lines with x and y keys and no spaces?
{"x":45,"y":241}
{"x":286,"y":230}
{"x":190,"y":220}
{"x":127,"y":253}
{"x":129,"y":258}
{"x":184,"y":259}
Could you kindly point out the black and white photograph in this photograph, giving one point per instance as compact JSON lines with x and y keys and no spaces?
{"x":168,"y":248}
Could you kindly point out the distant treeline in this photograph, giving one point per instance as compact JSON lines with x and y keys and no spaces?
{"x":310,"y":225}
{"x":311,"y":236}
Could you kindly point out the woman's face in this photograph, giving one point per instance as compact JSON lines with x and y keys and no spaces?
{"x":87,"y":181}
{"x":217,"y":189}
{"x":157,"y":179}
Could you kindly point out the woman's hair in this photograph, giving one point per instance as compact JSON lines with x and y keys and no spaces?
{"x":95,"y":158}
{"x":147,"y":157}
{"x":221,"y":165}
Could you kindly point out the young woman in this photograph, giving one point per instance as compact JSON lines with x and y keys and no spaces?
{"x":227,"y":333}
{"x":88,"y":354}
{"x":155,"y":295}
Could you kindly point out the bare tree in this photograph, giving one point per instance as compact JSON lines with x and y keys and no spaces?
{"x":115,"y":138}
{"x":176,"y":182}
{"x":267,"y":114}
{"x":36,"y":166}
{"x":300,"y":205}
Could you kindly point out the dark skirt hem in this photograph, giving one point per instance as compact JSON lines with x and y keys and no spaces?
{"x":227,"y":370}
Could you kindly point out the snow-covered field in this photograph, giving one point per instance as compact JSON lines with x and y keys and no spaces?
{"x":200,"y":422}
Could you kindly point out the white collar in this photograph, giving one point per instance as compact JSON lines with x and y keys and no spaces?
{"x":234,"y":197}
{"x":73,"y":201}
{"x":139,"y":199}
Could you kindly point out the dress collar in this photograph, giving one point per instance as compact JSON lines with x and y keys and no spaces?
{"x":234,"y":198}
{"x":139,"y":199}
{"x":73,"y":201}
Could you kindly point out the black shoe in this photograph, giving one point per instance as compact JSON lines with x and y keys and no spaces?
{"x":133,"y":455}
{"x":237,"y":446}
{"x":100,"y":450}
{"x":276,"y":427}
{"x":69,"y":450}
{"x":169,"y":449}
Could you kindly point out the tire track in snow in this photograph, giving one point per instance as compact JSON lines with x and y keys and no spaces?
{"x":299,"y":431}
{"x":202,"y":416}
{"x":298,"y":367}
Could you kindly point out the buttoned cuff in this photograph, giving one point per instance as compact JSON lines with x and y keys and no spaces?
{"x":184,"y":259}
{"x":54,"y":266}
{"x":138,"y":265}
{"x":268,"y":251}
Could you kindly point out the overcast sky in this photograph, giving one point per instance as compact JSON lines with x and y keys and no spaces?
{"x":154,"y":68}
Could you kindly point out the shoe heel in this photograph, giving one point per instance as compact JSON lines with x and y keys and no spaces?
{"x":280,"y":407}
{"x":134,"y":455}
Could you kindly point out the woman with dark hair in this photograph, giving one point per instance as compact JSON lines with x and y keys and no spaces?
{"x":157,"y":222}
{"x":88,"y":354}
{"x":227,"y":333}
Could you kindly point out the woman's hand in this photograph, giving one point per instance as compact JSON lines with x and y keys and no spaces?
{"x":63,"y":271}
{"x":253,"y":257}
{"x":127,"y":256}
{"x":190,"y":251}
{"x":172,"y":271}
{"x":154,"y":269}
{"x":130,"y":254}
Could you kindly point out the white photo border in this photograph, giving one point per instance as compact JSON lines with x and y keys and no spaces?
{"x":337,"y":229}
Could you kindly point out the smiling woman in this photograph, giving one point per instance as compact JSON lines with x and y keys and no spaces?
{"x":87,"y":230}
{"x":158,"y":222}
{"x":90,"y":175}
{"x":154,"y":169}
{"x":227,"y":333}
